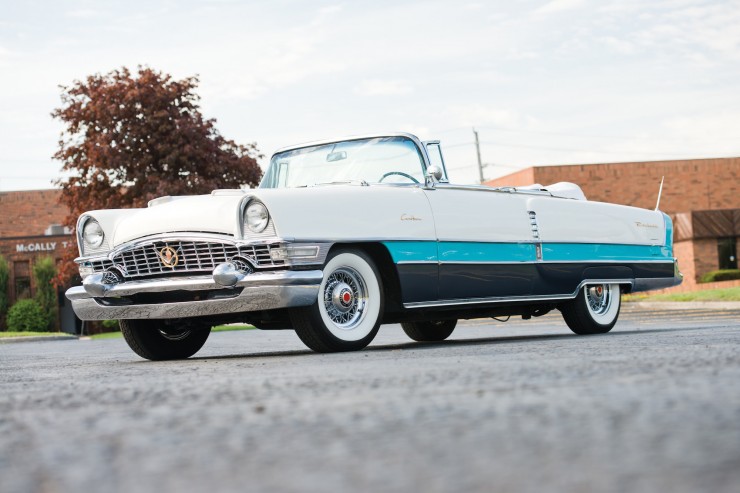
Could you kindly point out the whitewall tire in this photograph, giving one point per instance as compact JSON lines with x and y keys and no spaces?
{"x":595,"y":310}
{"x":349,"y":307}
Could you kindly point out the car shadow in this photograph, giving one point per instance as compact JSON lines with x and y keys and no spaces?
{"x":481,"y":341}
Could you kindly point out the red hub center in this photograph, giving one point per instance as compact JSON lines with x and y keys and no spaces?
{"x":346,"y":297}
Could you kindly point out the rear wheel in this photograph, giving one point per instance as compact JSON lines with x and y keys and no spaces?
{"x":438,"y":330}
{"x":595,"y":310}
{"x":162,"y":340}
{"x":348,"y":311}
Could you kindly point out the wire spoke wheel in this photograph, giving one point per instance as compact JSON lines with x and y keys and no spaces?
{"x":598,"y":298}
{"x":345,"y":298}
{"x":349,"y":308}
{"x":595,"y":310}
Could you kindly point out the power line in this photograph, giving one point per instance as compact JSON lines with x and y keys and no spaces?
{"x":485,"y":165}
{"x":570,"y":149}
{"x":568,"y":134}
{"x":567,"y":149}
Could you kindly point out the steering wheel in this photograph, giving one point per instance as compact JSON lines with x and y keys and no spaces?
{"x":400,"y":173}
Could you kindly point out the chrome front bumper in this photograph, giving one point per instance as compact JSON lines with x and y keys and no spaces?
{"x":252,"y":292}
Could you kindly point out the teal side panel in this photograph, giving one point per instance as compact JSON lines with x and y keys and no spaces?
{"x":479,"y":252}
{"x":584,"y":252}
{"x":455,"y":251}
{"x":412,"y":251}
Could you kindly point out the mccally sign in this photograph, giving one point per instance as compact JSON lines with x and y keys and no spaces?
{"x":49,"y":246}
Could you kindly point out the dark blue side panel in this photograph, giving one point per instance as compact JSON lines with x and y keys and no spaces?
{"x":418,"y":282}
{"x":471,"y":280}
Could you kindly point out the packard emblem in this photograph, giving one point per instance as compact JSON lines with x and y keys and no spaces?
{"x":168,"y":256}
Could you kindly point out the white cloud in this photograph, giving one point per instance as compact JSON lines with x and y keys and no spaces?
{"x":471,"y":115}
{"x":379,"y":87}
{"x":278,"y":75}
{"x":619,"y":45}
{"x":558,"y":6}
{"x":83,"y":13}
{"x":714,"y":132}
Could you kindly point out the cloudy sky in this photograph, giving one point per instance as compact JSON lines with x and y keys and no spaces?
{"x":543,"y":82}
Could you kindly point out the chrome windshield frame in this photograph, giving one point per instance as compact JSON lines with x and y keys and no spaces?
{"x":420,"y":146}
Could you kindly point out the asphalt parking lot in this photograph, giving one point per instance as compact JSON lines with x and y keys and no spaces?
{"x":517,"y":406}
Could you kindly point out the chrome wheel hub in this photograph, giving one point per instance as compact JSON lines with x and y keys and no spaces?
{"x":598,"y":298}
{"x":342,"y":297}
{"x":345,"y":297}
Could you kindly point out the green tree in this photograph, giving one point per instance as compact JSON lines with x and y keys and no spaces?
{"x":129,"y":138}
{"x":27,"y":315}
{"x":44,"y":272}
{"x":4,"y":276}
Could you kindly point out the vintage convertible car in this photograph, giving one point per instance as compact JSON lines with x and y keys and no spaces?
{"x":344,"y":235}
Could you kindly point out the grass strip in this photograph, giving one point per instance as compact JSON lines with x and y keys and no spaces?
{"x":32,"y":334}
{"x":723,"y":294}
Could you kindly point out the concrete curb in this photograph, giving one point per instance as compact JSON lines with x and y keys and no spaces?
{"x":683,"y":305}
{"x":12,"y":340}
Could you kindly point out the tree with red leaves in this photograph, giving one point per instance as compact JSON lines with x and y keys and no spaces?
{"x":131,"y":138}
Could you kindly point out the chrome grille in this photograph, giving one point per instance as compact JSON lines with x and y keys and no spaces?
{"x":101,"y":265}
{"x":192,"y":256}
{"x":260,"y":255}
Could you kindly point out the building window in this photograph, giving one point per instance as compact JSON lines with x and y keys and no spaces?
{"x":727,"y":253}
{"x":22,"y":275}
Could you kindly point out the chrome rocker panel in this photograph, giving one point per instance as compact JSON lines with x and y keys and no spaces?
{"x":260,"y":291}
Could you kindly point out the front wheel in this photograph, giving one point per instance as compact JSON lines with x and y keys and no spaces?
{"x":594,"y":311}
{"x":438,"y":330}
{"x":163,"y":340}
{"x":349,"y":308}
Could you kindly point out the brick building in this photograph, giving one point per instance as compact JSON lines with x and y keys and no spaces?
{"x":701,"y":195}
{"x":30,"y":228}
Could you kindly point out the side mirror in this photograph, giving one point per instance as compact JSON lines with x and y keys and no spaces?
{"x":433,"y":175}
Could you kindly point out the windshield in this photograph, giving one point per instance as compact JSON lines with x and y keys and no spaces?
{"x":377,"y":160}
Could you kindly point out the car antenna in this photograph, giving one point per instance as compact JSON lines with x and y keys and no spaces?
{"x":660,"y":191}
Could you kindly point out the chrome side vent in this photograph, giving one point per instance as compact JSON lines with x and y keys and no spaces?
{"x":534,"y":225}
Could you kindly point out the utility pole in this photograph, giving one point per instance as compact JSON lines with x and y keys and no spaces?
{"x":477,"y":150}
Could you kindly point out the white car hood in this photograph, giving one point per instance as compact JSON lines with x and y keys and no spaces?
{"x":199,"y":213}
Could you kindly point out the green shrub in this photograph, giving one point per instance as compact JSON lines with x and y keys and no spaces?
{"x":111,"y":325}
{"x":721,"y":275}
{"x":27,"y":316}
{"x":4,"y":275}
{"x":44,"y":270}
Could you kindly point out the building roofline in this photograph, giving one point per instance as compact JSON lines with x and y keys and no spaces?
{"x":637,"y":162}
{"x":621,"y":163}
{"x":3,"y":192}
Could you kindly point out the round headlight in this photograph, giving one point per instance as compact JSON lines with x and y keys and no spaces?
{"x":256,"y":217}
{"x":93,"y":233}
